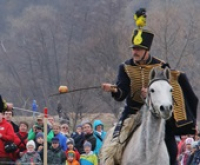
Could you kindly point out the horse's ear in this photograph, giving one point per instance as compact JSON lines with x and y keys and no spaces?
{"x":167,"y":73}
{"x":152,"y":74}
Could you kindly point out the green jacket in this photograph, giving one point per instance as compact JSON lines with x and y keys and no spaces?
{"x":56,"y":156}
{"x":32,"y":134}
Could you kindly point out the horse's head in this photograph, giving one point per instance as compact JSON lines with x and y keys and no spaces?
{"x":160,"y":93}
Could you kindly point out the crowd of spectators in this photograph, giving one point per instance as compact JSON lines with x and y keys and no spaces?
{"x":189,"y":150}
{"x":25,"y":143}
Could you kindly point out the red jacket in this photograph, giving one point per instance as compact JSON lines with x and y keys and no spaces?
{"x":7,"y":132}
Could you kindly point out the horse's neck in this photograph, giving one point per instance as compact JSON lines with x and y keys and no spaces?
{"x":153,"y":129}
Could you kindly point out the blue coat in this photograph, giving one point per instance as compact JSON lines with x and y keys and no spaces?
{"x":99,"y":138}
{"x":62,"y":140}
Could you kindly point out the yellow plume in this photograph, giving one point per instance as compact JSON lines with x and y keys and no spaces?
{"x":140,"y":18}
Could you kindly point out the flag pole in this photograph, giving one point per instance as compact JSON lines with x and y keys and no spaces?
{"x":45,"y":136}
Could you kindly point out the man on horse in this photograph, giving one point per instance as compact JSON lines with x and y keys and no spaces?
{"x":132,"y":82}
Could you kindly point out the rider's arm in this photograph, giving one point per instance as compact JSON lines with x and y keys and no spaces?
{"x":123,"y":85}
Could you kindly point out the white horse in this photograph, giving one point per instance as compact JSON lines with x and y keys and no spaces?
{"x":147,"y":145}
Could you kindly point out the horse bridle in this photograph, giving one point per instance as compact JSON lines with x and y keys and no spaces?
{"x":149,"y":99}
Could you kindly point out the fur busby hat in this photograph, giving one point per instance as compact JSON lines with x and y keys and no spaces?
{"x":142,"y":39}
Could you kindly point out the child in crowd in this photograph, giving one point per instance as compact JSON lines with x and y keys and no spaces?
{"x":55,"y":154}
{"x":79,"y":138}
{"x":185,"y":155}
{"x":88,"y":158}
{"x":31,"y":157}
{"x":194,"y":155}
{"x":71,"y":159}
{"x":70,"y":147}
{"x":39,"y":143}
{"x":22,"y":134}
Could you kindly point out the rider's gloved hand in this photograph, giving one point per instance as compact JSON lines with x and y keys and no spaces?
{"x":109,"y":87}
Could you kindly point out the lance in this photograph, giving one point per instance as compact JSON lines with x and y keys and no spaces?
{"x":64,"y":90}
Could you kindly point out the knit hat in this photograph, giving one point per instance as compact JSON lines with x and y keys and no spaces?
{"x":39,"y":134}
{"x":70,"y":141}
{"x":30,"y":143}
{"x":87,"y":144}
{"x":55,"y":140}
{"x":189,"y":141}
{"x":71,"y":154}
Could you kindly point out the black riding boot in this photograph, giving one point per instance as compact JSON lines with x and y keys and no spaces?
{"x":119,"y":125}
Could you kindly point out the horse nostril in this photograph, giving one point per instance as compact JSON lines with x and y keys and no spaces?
{"x":170,"y":107}
{"x":162,"y":108}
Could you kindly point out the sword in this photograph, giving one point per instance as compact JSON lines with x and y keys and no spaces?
{"x":78,"y":89}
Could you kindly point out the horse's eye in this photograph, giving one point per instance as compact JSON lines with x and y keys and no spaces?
{"x":152,"y":91}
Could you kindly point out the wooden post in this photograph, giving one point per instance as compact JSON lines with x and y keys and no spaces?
{"x":45,"y":136}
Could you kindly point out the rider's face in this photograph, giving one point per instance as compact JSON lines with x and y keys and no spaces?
{"x":138,"y":53}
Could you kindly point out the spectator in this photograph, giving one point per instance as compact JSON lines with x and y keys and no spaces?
{"x":22,"y":134}
{"x":39,"y":143}
{"x":71,"y":160}
{"x":88,"y":158}
{"x":39,"y":127}
{"x":6,"y":135}
{"x":31,"y":156}
{"x":99,"y":134}
{"x":196,"y":158}
{"x":65,"y":129}
{"x":197,"y":137}
{"x":8,"y":116}
{"x":70,"y":147}
{"x":21,"y":139}
{"x":60,"y":136}
{"x":50,"y":121}
{"x":195,"y":149}
{"x":55,"y":154}
{"x":181,"y":144}
{"x":185,"y":155}
{"x":79,"y":138}
{"x":88,"y":131}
